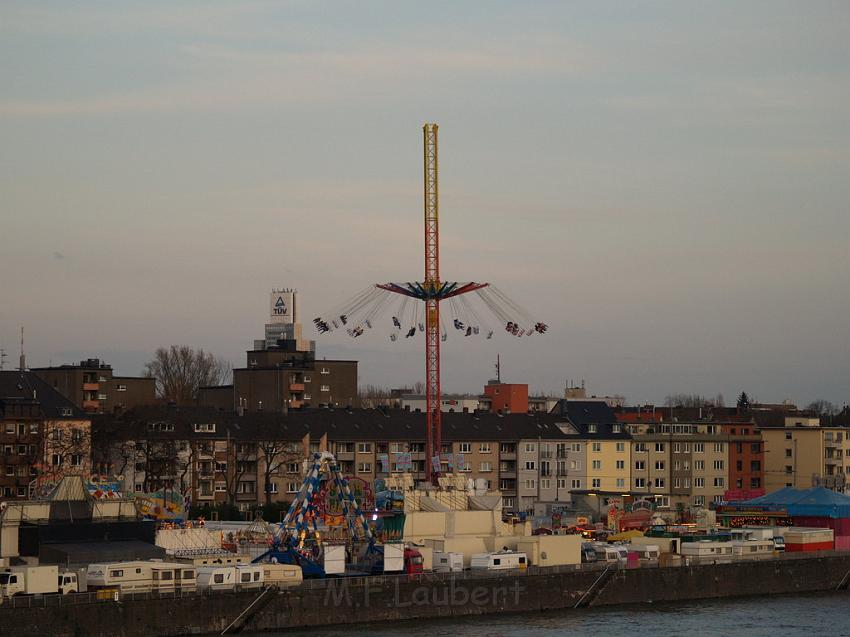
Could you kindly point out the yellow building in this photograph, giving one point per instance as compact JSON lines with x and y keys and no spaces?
{"x":803,"y":453}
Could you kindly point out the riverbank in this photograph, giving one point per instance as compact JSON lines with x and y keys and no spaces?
{"x":392,"y":599}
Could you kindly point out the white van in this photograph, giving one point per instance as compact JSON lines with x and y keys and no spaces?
{"x":499,"y":561}
{"x":447,"y":562}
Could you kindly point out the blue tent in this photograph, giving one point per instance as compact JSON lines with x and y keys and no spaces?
{"x":815,"y":502}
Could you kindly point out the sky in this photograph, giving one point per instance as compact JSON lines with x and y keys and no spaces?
{"x":665,"y":184}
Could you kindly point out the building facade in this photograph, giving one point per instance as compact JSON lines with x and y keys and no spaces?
{"x":216,"y":457}
{"x":43,"y":436}
{"x":282,"y":371}
{"x":93,"y":387}
{"x":801,"y":453}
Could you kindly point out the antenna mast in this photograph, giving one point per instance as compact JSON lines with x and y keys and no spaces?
{"x":22,"y":363}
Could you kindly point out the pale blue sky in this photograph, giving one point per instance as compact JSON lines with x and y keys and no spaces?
{"x":665,"y":183}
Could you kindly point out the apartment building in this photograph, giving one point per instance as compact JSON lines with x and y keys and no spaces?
{"x":218,"y":456}
{"x":598,"y":454}
{"x":43,"y":436}
{"x":93,"y":387}
{"x":696,"y":463}
{"x":801,"y":452}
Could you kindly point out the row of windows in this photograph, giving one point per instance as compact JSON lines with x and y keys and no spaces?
{"x":680,"y":447}
{"x":699,"y":465}
{"x":21,"y":428}
{"x":678,"y":483}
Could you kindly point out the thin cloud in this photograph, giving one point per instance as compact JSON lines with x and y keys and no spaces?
{"x":248,"y":78}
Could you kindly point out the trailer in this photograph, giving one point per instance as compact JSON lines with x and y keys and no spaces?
{"x":447,"y":562}
{"x":753,"y":548}
{"x":610,"y":552}
{"x":707,"y":551}
{"x":282,"y":575}
{"x":125,"y":576}
{"x":646,"y":552}
{"x":173,"y":576}
{"x":249,"y":576}
{"x":241,"y":577}
{"x":217,"y":578}
{"x":503,"y":560}
{"x":142,"y":576}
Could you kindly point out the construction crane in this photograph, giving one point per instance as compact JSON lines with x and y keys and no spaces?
{"x":361,"y":312}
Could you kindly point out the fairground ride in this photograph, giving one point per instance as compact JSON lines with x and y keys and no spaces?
{"x":363,"y":311}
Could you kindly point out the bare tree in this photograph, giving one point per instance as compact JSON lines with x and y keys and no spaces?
{"x":239,"y":463}
{"x":822,"y":407}
{"x":185,"y":464}
{"x":372,"y":396}
{"x":67,"y":451}
{"x":180,"y":370}
{"x":275,"y":454}
{"x":112,"y":456}
{"x":687,"y":400}
{"x":160,"y":461}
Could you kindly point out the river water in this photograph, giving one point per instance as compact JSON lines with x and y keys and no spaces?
{"x":780,"y":616}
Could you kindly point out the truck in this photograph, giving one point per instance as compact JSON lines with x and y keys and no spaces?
{"x":34,"y":580}
{"x":392,"y":558}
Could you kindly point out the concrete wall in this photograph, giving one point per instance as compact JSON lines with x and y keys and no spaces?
{"x":401,"y":598}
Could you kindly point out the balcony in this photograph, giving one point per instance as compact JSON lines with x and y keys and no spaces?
{"x":296,"y":404}
{"x":344,"y":455}
{"x":91,"y":386}
{"x":296,"y":388}
{"x":91,"y":405}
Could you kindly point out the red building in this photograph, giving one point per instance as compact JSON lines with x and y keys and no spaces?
{"x":645,"y":413}
{"x":746,"y":461}
{"x":507,"y":398}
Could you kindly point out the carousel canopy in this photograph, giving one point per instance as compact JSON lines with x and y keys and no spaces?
{"x":815,"y":502}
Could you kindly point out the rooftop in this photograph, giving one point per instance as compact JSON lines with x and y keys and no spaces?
{"x":26,"y":387}
{"x":338,"y":424}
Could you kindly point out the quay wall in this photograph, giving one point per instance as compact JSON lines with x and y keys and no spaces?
{"x":348,"y":601}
